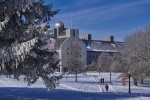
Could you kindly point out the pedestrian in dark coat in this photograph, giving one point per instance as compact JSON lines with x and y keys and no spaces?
{"x":103,"y":80}
{"x":106,"y":87}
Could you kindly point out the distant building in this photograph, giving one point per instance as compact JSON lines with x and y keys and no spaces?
{"x":64,"y":41}
{"x":96,"y":47}
{"x":90,"y":49}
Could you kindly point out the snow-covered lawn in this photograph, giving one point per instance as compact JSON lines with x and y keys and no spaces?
{"x":88,"y":87}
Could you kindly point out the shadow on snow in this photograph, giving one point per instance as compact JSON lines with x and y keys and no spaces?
{"x":10,"y":93}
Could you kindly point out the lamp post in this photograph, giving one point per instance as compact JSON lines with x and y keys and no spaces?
{"x":76,"y":69}
{"x":76,"y":72}
{"x":110,"y":74}
{"x":129,"y":76}
{"x":99,"y":69}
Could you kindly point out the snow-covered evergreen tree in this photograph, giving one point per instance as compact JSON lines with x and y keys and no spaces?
{"x":24,"y":49}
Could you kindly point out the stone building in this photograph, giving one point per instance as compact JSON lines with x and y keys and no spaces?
{"x":89,"y":49}
{"x":67,"y":39}
{"x":96,"y":47}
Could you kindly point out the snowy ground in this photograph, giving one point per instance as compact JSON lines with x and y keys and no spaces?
{"x":88,"y":87}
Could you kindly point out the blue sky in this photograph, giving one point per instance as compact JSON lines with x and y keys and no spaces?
{"x":103,"y":18}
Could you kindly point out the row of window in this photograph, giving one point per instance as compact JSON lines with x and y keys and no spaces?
{"x":68,"y":54}
{"x":79,"y":48}
{"x":97,"y":55}
{"x":93,"y":56}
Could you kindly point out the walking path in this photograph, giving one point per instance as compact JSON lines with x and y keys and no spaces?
{"x":102,"y":85}
{"x":85,"y":83}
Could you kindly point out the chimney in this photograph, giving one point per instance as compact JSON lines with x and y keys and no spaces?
{"x":87,"y":37}
{"x":110,"y":38}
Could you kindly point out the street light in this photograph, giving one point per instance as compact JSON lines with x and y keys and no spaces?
{"x":99,"y":69}
{"x":129,"y":76}
{"x":76,"y":71}
{"x":76,"y":61}
{"x":110,"y":74}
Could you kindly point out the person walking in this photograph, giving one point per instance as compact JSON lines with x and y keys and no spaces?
{"x":103,"y":80}
{"x":106,"y":87}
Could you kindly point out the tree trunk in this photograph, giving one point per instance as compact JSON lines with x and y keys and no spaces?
{"x":142,"y":81}
{"x":123,"y":81}
{"x":135,"y":81}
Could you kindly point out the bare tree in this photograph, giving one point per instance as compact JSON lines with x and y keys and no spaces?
{"x":104,"y":62}
{"x":118,"y":63}
{"x":137,"y":54}
{"x":92,"y":67}
{"x":75,"y":60}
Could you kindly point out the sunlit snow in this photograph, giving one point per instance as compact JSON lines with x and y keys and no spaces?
{"x":88,"y":87}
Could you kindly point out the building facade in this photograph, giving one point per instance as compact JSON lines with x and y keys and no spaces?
{"x":88,"y":50}
{"x":67,"y":43}
{"x":96,"y":47}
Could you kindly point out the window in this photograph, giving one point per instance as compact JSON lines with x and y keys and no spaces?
{"x":96,"y":56}
{"x":90,"y":62}
{"x":89,"y":56}
{"x":73,"y":34}
{"x":65,"y":69}
{"x":67,"y":52}
{"x":79,"y":48}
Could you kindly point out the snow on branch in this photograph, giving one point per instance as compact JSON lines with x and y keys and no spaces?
{"x":16,"y":50}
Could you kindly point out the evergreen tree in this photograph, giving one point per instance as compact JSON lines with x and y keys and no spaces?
{"x":23,"y":44}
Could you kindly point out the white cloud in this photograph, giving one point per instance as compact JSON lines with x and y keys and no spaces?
{"x":102,"y":13}
{"x":87,"y":2}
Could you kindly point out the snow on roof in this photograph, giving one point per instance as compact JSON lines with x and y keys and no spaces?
{"x":102,"y":46}
{"x":99,"y":50}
